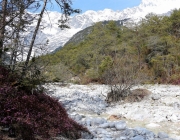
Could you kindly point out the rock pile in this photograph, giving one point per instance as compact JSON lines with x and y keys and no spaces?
{"x":103,"y":129}
{"x":160,"y":112}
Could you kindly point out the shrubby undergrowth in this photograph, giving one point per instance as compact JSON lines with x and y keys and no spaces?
{"x":153,"y":44}
{"x":32,"y":115}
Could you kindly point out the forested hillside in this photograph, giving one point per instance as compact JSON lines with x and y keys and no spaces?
{"x":151,"y":47}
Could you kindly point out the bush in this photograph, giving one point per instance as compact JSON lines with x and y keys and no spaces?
{"x":34,"y":114}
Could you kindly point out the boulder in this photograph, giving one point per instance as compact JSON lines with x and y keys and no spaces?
{"x":120,"y":125}
{"x":142,"y":131}
{"x":162,"y":135}
{"x":98,"y":121}
{"x":104,"y":125}
{"x":111,"y":124}
{"x":129,"y":132}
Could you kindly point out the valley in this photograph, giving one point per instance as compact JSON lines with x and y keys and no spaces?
{"x":102,"y":75}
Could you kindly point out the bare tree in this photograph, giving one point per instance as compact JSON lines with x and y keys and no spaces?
{"x":121,"y":77}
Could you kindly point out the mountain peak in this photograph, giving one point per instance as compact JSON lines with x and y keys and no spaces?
{"x":160,"y":3}
{"x":58,"y":37}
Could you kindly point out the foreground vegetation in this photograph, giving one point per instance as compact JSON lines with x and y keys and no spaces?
{"x":150,"y":47}
{"x":34,"y":115}
{"x":26,"y":111}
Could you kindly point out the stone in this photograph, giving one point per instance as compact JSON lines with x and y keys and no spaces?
{"x":150,"y":135}
{"x":82,"y":122}
{"x":123,"y":138}
{"x":155,"y":97}
{"x":108,"y":135}
{"x":139,"y":137}
{"x":111,"y":124}
{"x":152,"y":125}
{"x":104,"y":125}
{"x":88,"y":122}
{"x":100,"y":135}
{"x":101,"y":131}
{"x":176,"y":105}
{"x":97,"y":121}
{"x":78,"y":117}
{"x":162,"y":135}
{"x":174,"y":118}
{"x":86,"y":135}
{"x":105,"y":138}
{"x":137,"y":116}
{"x":113,"y":129}
{"x":129,"y":132}
{"x":142,"y":131}
{"x":120,"y":125}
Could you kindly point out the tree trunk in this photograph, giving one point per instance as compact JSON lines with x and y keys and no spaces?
{"x":33,"y":39}
{"x":2,"y":27}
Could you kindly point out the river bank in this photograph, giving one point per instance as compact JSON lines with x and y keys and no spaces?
{"x":158,"y":113}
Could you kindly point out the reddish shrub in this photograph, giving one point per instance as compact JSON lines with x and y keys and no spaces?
{"x":34,"y":114}
{"x":176,"y":82}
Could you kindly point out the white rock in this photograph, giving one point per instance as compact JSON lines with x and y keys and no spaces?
{"x":123,"y":138}
{"x":120,"y":125}
{"x":152,"y":125}
{"x":156,"y":97}
{"x":174,"y":118}
{"x":176,"y":106}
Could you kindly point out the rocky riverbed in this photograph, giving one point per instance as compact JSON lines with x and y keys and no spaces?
{"x":156,"y":117}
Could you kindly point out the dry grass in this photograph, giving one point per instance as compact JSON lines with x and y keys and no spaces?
{"x":137,"y":95}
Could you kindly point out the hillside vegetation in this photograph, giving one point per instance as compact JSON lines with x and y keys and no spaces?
{"x":152,"y":47}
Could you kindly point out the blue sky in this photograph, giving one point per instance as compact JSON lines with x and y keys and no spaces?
{"x":96,"y":5}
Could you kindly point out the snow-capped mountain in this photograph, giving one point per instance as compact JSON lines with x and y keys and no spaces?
{"x":58,"y":37}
